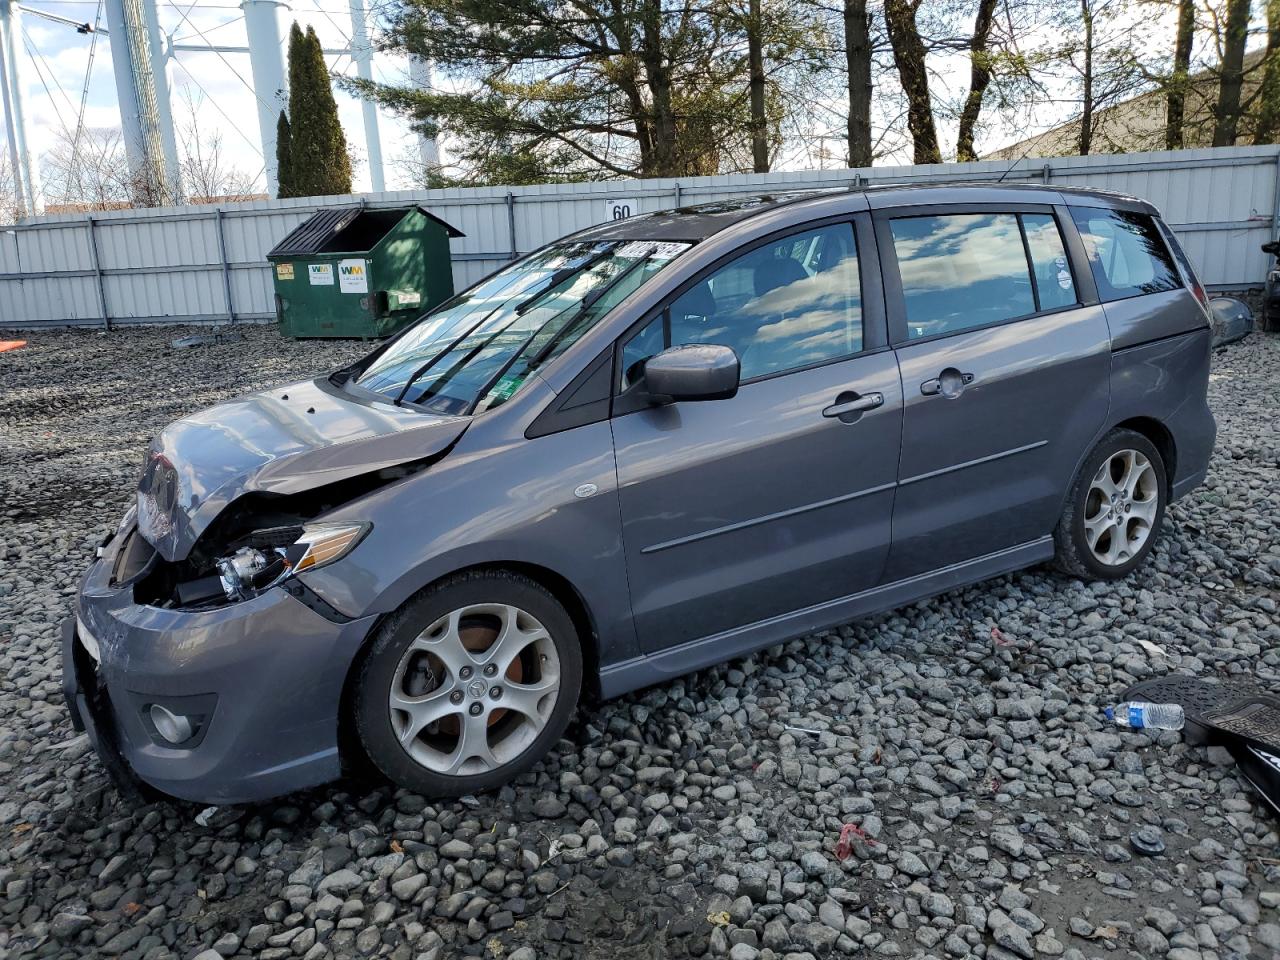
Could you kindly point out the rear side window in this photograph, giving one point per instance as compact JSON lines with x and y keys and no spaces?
{"x":961,"y":271}
{"x":1126,"y":253}
{"x":1050,"y":269}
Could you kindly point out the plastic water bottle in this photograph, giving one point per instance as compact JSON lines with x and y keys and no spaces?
{"x":1147,"y":716}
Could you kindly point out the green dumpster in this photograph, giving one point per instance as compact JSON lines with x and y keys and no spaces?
{"x":359,"y":272}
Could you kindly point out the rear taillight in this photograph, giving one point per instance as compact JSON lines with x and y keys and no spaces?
{"x":1199,"y":291}
{"x":1188,"y":272}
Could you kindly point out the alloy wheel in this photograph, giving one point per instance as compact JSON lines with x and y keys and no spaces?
{"x":473,"y":690}
{"x":1121,"y":507}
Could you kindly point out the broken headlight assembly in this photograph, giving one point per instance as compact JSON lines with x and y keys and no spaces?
{"x":268,"y":557}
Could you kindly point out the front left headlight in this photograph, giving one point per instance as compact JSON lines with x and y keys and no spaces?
{"x":274,"y":555}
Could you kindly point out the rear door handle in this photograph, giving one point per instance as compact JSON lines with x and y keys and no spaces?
{"x":853,"y":407}
{"x":949,"y":383}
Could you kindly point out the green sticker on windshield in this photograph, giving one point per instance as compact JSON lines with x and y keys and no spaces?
{"x":504,"y":388}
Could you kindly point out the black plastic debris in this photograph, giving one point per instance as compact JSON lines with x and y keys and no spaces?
{"x":1235,"y":714}
{"x":1262,"y":769}
{"x":206,"y":340}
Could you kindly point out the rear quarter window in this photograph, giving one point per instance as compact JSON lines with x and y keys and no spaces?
{"x":1126,"y":253}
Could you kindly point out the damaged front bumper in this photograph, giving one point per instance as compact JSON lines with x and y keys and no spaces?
{"x":258,"y":684}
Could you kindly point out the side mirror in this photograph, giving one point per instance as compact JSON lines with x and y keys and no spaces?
{"x":696,"y":371}
{"x":1273,"y":248}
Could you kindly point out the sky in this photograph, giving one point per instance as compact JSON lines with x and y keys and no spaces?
{"x":55,"y":76}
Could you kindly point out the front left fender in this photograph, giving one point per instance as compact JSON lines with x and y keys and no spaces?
{"x":518,"y":502}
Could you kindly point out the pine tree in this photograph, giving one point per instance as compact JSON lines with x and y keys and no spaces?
{"x":284,"y":159}
{"x":571,"y":90}
{"x":318,"y":161}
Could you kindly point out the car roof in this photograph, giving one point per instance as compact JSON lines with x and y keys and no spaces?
{"x":697,"y":221}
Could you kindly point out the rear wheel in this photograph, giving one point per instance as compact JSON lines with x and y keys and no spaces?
{"x":468,"y":684}
{"x":1114,"y":510}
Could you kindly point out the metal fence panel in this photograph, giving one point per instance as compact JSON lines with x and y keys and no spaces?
{"x":178,"y":264}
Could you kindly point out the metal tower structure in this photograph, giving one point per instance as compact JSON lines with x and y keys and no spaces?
{"x":164,"y":105}
{"x":428,"y":149}
{"x":145,"y":127}
{"x":362,"y":57}
{"x":26,"y":176}
{"x":266,"y":62}
{"x":140,"y":54}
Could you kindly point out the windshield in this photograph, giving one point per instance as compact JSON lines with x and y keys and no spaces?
{"x":478,"y":350}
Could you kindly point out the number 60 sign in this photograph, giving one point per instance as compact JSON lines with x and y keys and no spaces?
{"x":621,"y":209}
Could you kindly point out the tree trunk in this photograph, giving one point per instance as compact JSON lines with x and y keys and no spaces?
{"x":1268,"y":130}
{"x":979,"y":77}
{"x":755,"y":58}
{"x":857,"y":51}
{"x":658,"y":78}
{"x":1086,"y":109}
{"x":908,"y":54}
{"x":1227,"y":118}
{"x":1176,"y":105}
{"x":630,"y":86}
{"x":630,"y":81}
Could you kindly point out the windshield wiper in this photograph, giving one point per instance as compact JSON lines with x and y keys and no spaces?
{"x":519,"y":311}
{"x":589,"y":301}
{"x":443,"y":380}
{"x":561,"y":275}
{"x":585,"y":304}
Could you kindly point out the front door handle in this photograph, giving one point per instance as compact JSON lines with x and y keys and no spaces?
{"x":950,"y":383}
{"x":850,"y":406}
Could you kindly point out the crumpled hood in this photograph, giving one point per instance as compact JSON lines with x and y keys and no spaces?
{"x":285,"y":440}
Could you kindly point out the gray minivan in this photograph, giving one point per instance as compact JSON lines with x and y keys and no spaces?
{"x":645,"y":448}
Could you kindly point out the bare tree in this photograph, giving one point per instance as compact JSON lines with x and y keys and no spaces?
{"x":979,"y":78}
{"x":1100,"y":59}
{"x":857,"y":46}
{"x":1176,"y":98}
{"x":207,"y":174}
{"x":755,"y":66}
{"x":1086,"y":78}
{"x":1267,"y":129}
{"x":89,"y":172}
{"x":1227,"y":115}
{"x":10,"y":210}
{"x":909,"y":55}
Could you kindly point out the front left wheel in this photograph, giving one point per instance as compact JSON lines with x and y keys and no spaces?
{"x":469,"y":684}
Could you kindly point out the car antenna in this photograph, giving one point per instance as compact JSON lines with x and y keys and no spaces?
{"x":1025,"y":154}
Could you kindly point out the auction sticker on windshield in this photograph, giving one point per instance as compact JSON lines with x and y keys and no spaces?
{"x":657,"y":251}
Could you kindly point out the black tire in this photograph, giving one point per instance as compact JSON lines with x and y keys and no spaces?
{"x":378,"y":670}
{"x":1074,"y":556}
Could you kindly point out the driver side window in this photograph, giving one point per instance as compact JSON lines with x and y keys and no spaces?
{"x":792,"y":303}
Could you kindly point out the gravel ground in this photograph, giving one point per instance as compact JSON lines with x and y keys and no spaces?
{"x":963,"y":737}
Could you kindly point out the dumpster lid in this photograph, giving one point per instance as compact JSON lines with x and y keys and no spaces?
{"x":320,"y":229}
